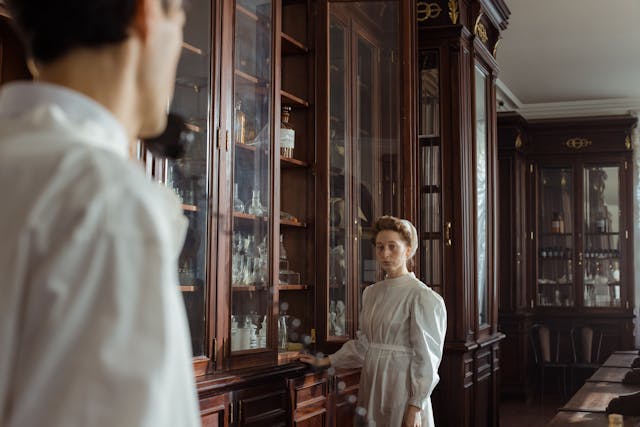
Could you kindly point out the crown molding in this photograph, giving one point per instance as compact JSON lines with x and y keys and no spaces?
{"x":508,"y":101}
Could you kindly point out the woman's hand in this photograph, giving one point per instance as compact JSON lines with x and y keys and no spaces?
{"x":325,"y":362}
{"x":412,"y":417}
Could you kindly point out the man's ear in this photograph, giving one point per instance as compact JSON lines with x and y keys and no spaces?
{"x":141,"y":22}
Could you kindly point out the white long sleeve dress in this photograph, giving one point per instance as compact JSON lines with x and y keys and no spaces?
{"x":399,"y":347}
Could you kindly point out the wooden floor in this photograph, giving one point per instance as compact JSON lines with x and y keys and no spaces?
{"x":516,"y":412}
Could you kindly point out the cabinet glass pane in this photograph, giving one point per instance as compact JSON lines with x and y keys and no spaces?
{"x":602,"y":236}
{"x":482,"y":264}
{"x":364,"y":113}
{"x":339,"y":189}
{"x":430,"y":169}
{"x":555,"y":265}
{"x":250,"y":254}
{"x":188,"y":176}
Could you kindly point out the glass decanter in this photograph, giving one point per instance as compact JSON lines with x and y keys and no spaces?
{"x":238,"y":205}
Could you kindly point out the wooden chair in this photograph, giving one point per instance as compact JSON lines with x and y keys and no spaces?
{"x":586,"y":345}
{"x":548,"y":356}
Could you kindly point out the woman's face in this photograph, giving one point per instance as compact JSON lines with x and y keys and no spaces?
{"x":391,"y":251}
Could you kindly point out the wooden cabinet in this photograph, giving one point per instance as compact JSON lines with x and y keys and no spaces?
{"x":457,"y":199}
{"x":215,"y":411}
{"x":566,"y":206}
{"x":325,"y":399}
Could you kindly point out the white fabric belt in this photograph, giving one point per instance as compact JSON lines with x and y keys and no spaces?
{"x":391,"y":347}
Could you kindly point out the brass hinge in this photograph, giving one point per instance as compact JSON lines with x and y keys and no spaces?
{"x":219,"y":138}
{"x":531,"y":302}
{"x":226,"y":140}
{"x":626,"y":234}
{"x":231,"y":413}
{"x":214,"y":343}
{"x":627,"y":304}
{"x":531,"y":235}
{"x":531,"y":168}
{"x":626,"y":165}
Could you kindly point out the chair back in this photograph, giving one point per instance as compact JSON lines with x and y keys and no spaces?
{"x":547,"y":344}
{"x":586,"y":343}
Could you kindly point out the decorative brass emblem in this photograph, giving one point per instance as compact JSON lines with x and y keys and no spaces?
{"x":426,"y":11}
{"x":495,"y":47}
{"x":475,"y":25}
{"x":518,"y":140}
{"x":481,"y":32}
{"x":627,"y":142}
{"x":578,"y":143}
{"x":453,"y":11}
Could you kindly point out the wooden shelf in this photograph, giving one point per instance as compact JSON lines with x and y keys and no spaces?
{"x":191,"y":48}
{"x":289,"y":223}
{"x":248,"y":217}
{"x":604,"y":233}
{"x":184,"y":288}
{"x":428,"y":140}
{"x":246,"y":13}
{"x":189,"y":208}
{"x":292,"y":287}
{"x":246,"y":147}
{"x":291,"y":46}
{"x":431,"y":189}
{"x":432,"y":236}
{"x":247,"y":77}
{"x":288,"y":356}
{"x":292,"y":100}
{"x":250,"y":288}
{"x":286,"y":162}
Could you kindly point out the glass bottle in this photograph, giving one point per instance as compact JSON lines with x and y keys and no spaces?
{"x":287,"y":134}
{"x":255,"y":208}
{"x":283,"y":252}
{"x":238,"y":205}
{"x":240,"y":123}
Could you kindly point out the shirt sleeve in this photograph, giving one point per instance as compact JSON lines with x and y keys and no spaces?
{"x":107,"y":341}
{"x":427,"y":332}
{"x":352,"y":353}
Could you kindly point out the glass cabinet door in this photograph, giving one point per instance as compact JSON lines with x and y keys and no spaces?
{"x":188,"y":176}
{"x":555,"y":263}
{"x":482,"y":193}
{"x":601,"y":244}
{"x":252,"y":175}
{"x":364,"y":148}
{"x":430,"y":170}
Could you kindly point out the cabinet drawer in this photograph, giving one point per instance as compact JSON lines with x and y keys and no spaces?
{"x":309,"y":389}
{"x":262,"y":406}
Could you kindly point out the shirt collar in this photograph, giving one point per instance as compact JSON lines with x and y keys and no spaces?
{"x":18,"y":98}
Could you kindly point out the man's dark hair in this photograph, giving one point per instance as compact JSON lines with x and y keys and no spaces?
{"x":51,"y":28}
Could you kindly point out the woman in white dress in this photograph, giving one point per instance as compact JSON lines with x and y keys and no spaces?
{"x":401,"y":337}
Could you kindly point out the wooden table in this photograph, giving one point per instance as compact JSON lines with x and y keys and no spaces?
{"x":588,"y":419}
{"x":587,"y":407}
{"x":594,"y":397}
{"x":622,"y":360}
{"x":609,"y":375}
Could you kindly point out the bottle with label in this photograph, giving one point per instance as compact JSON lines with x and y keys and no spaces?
{"x":287,"y":134}
{"x":240,"y":123}
{"x":557,"y":223}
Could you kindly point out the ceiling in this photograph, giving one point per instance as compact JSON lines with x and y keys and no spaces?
{"x":571,"y":57}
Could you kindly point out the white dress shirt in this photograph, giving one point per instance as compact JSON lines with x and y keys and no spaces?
{"x":93,"y":329}
{"x":399,"y":347}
